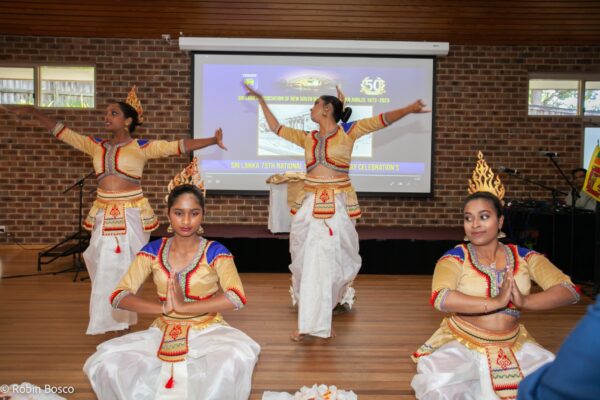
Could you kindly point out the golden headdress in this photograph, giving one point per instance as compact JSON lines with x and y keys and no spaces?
{"x":190,"y":175}
{"x":134,"y":101}
{"x":484,"y":179}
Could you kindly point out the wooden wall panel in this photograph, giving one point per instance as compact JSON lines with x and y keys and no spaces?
{"x":526,"y":22}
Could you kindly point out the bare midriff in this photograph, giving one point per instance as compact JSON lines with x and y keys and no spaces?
{"x":322,"y":172}
{"x":497,"y":322}
{"x":113,"y":183}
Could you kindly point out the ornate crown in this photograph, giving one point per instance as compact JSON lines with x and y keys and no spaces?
{"x":190,"y":175}
{"x":484,"y":179}
{"x":134,"y":101}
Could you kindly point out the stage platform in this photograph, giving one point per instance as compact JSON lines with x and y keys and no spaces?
{"x":44,"y":317}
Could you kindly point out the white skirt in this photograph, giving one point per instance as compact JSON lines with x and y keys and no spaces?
{"x":324,"y":264}
{"x":454,"y":372}
{"x":106,"y":268}
{"x":218,"y":366}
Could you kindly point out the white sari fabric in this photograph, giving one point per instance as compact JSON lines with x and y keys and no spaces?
{"x":325,"y":261}
{"x":454,"y":372}
{"x":106,"y":268}
{"x":218,"y":366}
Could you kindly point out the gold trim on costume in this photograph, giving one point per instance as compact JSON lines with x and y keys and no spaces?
{"x":503,"y":366}
{"x":174,"y":343}
{"x":196,"y":323}
{"x":114,"y":204}
{"x":498,"y":347}
{"x":325,"y":191}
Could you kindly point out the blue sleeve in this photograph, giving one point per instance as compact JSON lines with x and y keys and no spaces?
{"x":575,"y":374}
{"x":214,"y":250}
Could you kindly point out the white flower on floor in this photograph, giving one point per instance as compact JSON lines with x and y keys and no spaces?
{"x":321,"y":392}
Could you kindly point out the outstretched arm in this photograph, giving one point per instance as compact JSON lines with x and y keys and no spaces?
{"x":47,"y":122}
{"x":417,"y":107}
{"x":195,"y":144}
{"x":365,"y":126}
{"x":80,"y":142}
{"x":271,"y":120}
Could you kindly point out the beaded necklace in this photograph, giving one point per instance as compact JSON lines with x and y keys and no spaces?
{"x":181,"y":276}
{"x":496,"y":276}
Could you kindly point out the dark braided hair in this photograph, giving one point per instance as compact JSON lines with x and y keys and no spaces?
{"x":183,"y":189}
{"x":130,"y":112}
{"x":486,"y":196}
{"x":339,"y":112}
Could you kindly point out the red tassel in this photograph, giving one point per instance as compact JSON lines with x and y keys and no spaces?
{"x":118,"y":249}
{"x":169,"y":384}
{"x":328,"y":227}
{"x":171,"y":381}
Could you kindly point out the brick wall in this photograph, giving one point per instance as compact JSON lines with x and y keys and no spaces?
{"x":481,"y":104}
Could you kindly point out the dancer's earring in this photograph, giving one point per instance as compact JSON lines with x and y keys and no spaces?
{"x":170,"y":229}
{"x":500,"y":235}
{"x":466,"y":238}
{"x":200,"y":230}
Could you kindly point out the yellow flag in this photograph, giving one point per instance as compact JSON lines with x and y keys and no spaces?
{"x":592,"y":179}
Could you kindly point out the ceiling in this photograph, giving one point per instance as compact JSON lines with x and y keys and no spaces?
{"x":510,"y":22}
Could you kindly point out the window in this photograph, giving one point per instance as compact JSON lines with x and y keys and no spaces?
{"x":565,"y":94}
{"x":16,"y":85}
{"x":48,"y":86}
{"x":553,"y":97}
{"x":591,"y":105}
{"x":68,"y":87}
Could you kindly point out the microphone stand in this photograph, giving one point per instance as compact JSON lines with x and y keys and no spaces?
{"x":555,"y":192}
{"x":76,"y":249}
{"x":574,"y":196}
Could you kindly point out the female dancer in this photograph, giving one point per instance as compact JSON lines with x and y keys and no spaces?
{"x":323,"y":241}
{"x":121,"y":218}
{"x":189,"y":352}
{"x":481,"y":351}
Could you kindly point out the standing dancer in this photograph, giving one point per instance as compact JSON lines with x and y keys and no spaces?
{"x":323,"y":237}
{"x":121,"y":218}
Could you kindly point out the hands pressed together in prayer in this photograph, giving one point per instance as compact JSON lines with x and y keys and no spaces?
{"x":509,"y":292}
{"x":175,"y":300}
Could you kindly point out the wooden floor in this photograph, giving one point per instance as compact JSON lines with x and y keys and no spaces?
{"x":44,"y":318}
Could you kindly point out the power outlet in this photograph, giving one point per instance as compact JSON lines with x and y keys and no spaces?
{"x":2,"y":229}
